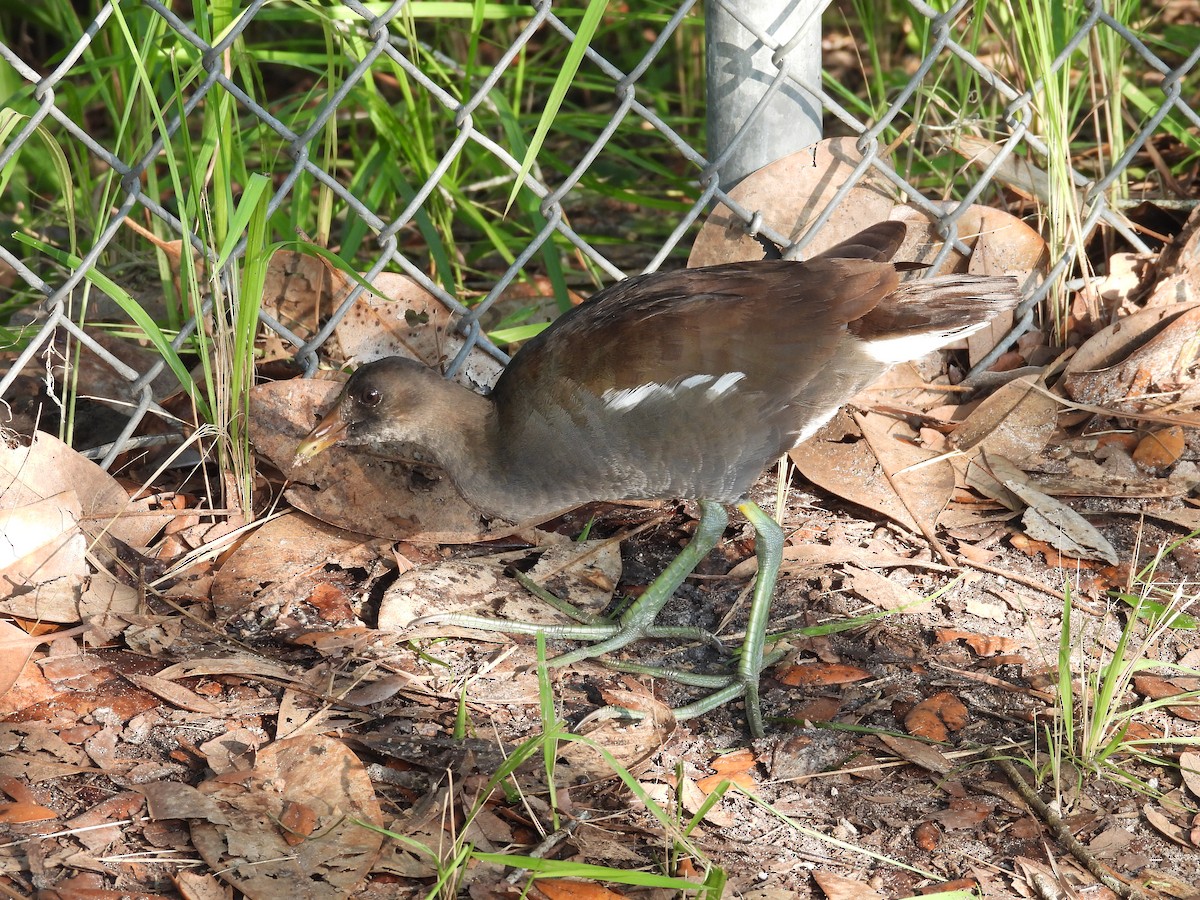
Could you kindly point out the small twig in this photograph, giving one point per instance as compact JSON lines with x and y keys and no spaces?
{"x":902,"y":495}
{"x":551,"y":841}
{"x":1011,"y":576}
{"x":1063,"y":835}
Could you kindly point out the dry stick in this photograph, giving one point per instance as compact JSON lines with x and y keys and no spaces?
{"x":1063,"y":835}
{"x":1186,"y":421}
{"x":919,"y":520}
{"x":1011,"y":576}
{"x":549,"y":843}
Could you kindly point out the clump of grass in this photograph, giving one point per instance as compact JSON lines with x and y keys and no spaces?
{"x":451,"y":862}
{"x":391,"y":139}
{"x":1091,"y":733}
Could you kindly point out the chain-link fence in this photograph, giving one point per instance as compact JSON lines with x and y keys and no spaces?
{"x":395,"y":134}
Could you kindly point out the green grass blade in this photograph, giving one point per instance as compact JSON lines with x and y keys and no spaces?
{"x":566,"y":75}
{"x":140,"y":317}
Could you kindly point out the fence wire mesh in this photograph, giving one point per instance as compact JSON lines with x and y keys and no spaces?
{"x":396,"y":139}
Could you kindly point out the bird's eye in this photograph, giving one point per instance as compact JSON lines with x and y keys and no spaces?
{"x":370,"y":396}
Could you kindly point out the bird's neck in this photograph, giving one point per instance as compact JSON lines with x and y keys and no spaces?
{"x":459,"y":430}
{"x":502,"y":475}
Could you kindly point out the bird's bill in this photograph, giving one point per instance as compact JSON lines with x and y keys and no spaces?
{"x":327,"y":432}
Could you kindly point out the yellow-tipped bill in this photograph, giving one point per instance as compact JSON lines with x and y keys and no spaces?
{"x":327,"y":432}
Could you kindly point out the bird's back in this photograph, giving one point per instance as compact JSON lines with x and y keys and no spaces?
{"x":688,"y":383}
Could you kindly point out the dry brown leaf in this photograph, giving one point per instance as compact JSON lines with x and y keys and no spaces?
{"x":353,"y":639}
{"x":247,"y":844}
{"x":819,"y":673}
{"x":982,"y":644}
{"x":89,"y":825}
{"x":1179,"y":267}
{"x":964,"y":812}
{"x":819,"y":709}
{"x":881,"y":591}
{"x":17,"y":813}
{"x":1105,"y":575}
{"x":34,"y":752}
{"x":736,"y":767}
{"x":1189,"y":769}
{"x":201,"y":886}
{"x":1110,"y":841}
{"x":997,"y":612}
{"x":1015,"y":421}
{"x":175,"y":694}
{"x":1041,"y":881}
{"x":283,"y":562}
{"x":816,"y":751}
{"x":561,"y":889}
{"x":301,"y":290}
{"x":1043,"y":518}
{"x":57,"y":506}
{"x":927,"y":836}
{"x":935,"y":717}
{"x":692,"y":799}
{"x":16,"y":649}
{"x":971,"y":552}
{"x":1165,"y":884}
{"x":98,"y":600}
{"x":1150,"y":352}
{"x":399,"y":318}
{"x":630,"y":743}
{"x":911,"y":386}
{"x":480,"y":585}
{"x":837,"y":459}
{"x":1124,"y":278}
{"x":1157,"y":688}
{"x":921,"y":480}
{"x":1165,"y":825}
{"x":244,"y":666}
{"x":808,"y":557}
{"x":585,"y":573}
{"x":919,"y":753}
{"x":790,"y":193}
{"x":1000,"y":244}
{"x":48,"y":467}
{"x":404,"y":319}
{"x":42,"y":543}
{"x":839,"y":887}
{"x":1046,"y":519}
{"x":1160,"y":449}
{"x":1087,"y":478}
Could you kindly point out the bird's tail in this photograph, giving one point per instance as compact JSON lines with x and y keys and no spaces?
{"x":921,"y":316}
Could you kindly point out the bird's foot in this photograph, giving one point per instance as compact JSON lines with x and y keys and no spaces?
{"x":742,"y":683}
{"x":605,"y":636}
{"x":636,"y":622}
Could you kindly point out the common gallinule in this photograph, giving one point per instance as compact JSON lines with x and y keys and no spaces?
{"x":674,"y":384}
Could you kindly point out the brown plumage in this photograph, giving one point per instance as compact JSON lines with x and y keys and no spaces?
{"x":675,"y":384}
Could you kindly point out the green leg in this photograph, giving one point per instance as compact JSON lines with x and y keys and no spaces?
{"x":768,"y":545}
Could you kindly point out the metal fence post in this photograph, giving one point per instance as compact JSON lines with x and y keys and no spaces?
{"x":759,"y":52}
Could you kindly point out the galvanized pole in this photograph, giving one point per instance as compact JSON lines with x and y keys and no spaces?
{"x":759,"y":53}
